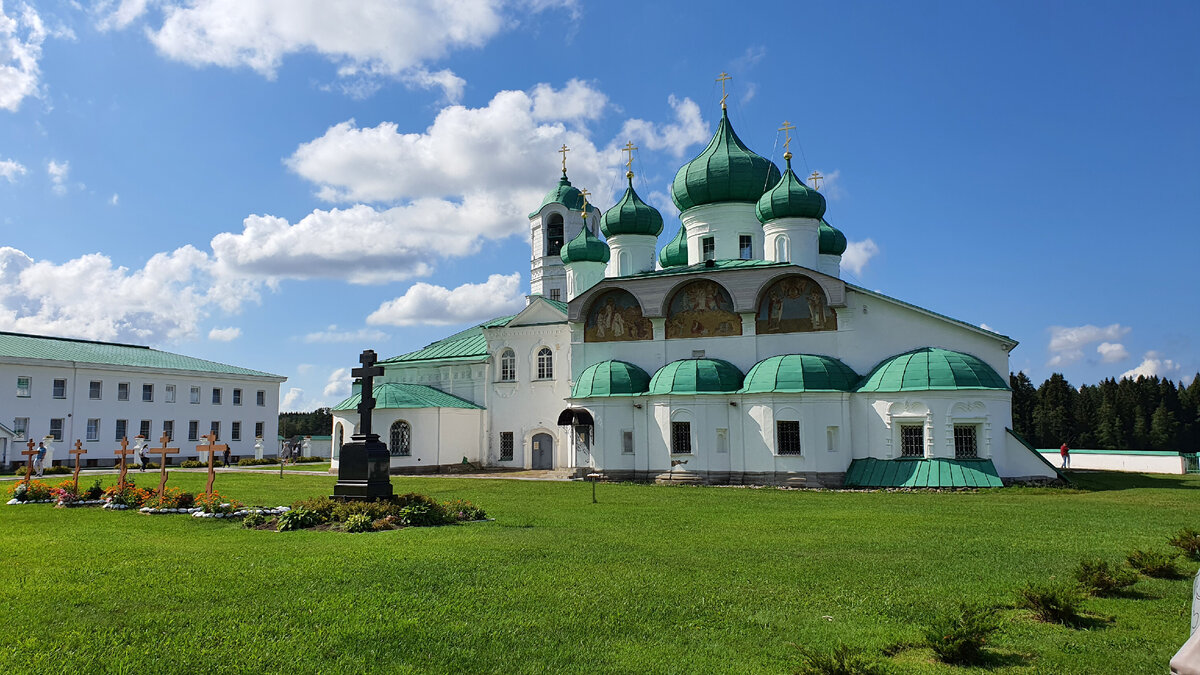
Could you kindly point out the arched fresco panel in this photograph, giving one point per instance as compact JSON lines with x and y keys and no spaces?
{"x":795,"y":304}
{"x":616,"y":316}
{"x":702,"y":309}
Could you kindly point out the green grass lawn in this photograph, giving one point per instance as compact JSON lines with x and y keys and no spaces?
{"x":651,"y":579}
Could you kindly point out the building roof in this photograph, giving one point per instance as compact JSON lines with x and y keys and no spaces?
{"x":566,"y":194}
{"x":932,"y":368}
{"x":725,"y":171}
{"x":793,"y":373}
{"x":831,"y":241}
{"x":396,"y":395}
{"x":935,"y":472}
{"x":631,"y":215}
{"x":611,"y":378}
{"x":790,"y":198}
{"x":703,"y":267}
{"x":993,"y":334}
{"x":23,"y":346}
{"x":469,"y":344}
{"x":696,"y":376}
{"x":585,"y":247}
{"x":674,"y":254}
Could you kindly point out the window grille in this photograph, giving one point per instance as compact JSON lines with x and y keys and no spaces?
{"x":235,"y":431}
{"x":508,"y":366}
{"x":912,"y":440}
{"x":401,"y":439}
{"x":60,"y":389}
{"x":237,"y":396}
{"x":24,"y":385}
{"x":506,"y":446}
{"x":627,"y":442}
{"x":144,"y":429}
{"x":194,"y":430}
{"x":966,"y":444}
{"x":545,"y":363}
{"x":261,"y":397}
{"x":122,"y":429}
{"x":148,"y":393}
{"x":169,"y":393}
{"x":195,"y":394}
{"x":745,"y":246}
{"x":93,"y":429}
{"x":216,"y":396}
{"x":708,"y":246}
{"x":681,"y":438}
{"x":56,"y":428}
{"x":21,"y":427}
{"x":123,"y":391}
{"x":788,"y":435}
{"x":556,"y":294}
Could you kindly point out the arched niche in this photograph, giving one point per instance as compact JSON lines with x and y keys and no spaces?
{"x":616,"y":316}
{"x":554,"y":234}
{"x":794,"y":304}
{"x":702,"y":308}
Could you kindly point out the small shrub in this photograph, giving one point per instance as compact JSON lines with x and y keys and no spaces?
{"x":957,"y":636}
{"x":132,"y":495}
{"x":322,"y":506}
{"x":1154,"y":564}
{"x":1099,"y":578}
{"x":192,"y":464}
{"x":309,"y":460}
{"x":253,"y":520}
{"x":1188,"y":541}
{"x":464,"y":510}
{"x":250,"y":461}
{"x":1052,"y":603}
{"x":95,"y":491}
{"x":56,"y":470}
{"x":298,"y":519}
{"x":359,"y":522}
{"x":173,"y":498}
{"x":840,"y":660}
{"x":214,"y":502}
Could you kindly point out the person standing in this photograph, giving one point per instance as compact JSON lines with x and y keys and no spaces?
{"x":226,"y":456}
{"x":1065,"y":452}
{"x":40,"y":461}
{"x":143,"y":458}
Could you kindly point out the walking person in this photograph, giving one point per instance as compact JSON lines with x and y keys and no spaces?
{"x":40,"y":461}
{"x":143,"y":458}
{"x":226,"y":456}
{"x":1065,"y":452}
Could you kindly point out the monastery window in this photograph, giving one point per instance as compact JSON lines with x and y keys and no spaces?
{"x":627,"y":442}
{"x":556,"y":294}
{"x":93,"y":429}
{"x":169,"y":429}
{"x":194,"y":430}
{"x":508,"y":366}
{"x":401,"y":439}
{"x":237,"y":396}
{"x":122,"y":429}
{"x":95,"y":390}
{"x":338,"y":436}
{"x":258,"y":432}
{"x":147,"y":393}
{"x":195,"y":395}
{"x":545,"y":364}
{"x":783,"y":252}
{"x":214,"y":428}
{"x":122,"y":391}
{"x":169,"y":393}
{"x":554,"y":235}
{"x":506,"y":446}
{"x":681,"y":438}
{"x":235,"y":431}
{"x":624,"y":264}
{"x":56,"y":427}
{"x":59,"y":389}
{"x":912,"y":440}
{"x":144,"y":429}
{"x":24,"y":386}
{"x":20,"y":427}
{"x":216,"y":396}
{"x":260,"y":398}
{"x":831,"y":439}
{"x":708,"y":248}
{"x":966,"y":441}
{"x":745,"y":246}
{"x":787,"y":434}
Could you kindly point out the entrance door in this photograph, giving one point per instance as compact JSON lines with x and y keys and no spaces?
{"x":543,"y":451}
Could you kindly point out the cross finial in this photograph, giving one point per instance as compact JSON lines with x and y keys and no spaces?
{"x":723,"y":79}
{"x":814,"y":178}
{"x":629,"y":148}
{"x":583,"y":209}
{"x":564,"y":150}
{"x":787,"y":138}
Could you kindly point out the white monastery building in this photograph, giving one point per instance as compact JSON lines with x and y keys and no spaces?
{"x":734,"y":353}
{"x":63,"y":390}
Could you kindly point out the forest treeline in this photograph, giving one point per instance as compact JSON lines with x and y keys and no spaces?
{"x":1148,"y":413}
{"x":316,"y":423}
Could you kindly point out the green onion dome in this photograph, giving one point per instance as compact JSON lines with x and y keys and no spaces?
{"x":631,"y":215}
{"x":726,"y":171}
{"x":794,"y":373}
{"x":696,"y":376}
{"x":674,"y":254}
{"x":585,"y":247}
{"x":832,"y":241}
{"x":566,"y":194}
{"x":611,"y":378}
{"x":931,"y":368}
{"x":790,"y":198}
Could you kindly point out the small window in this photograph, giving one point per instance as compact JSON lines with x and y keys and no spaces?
{"x":194,"y":430}
{"x":556,"y":294}
{"x":144,"y":429}
{"x":169,"y":393}
{"x":56,"y":428}
{"x":95,"y":390}
{"x":708,"y":247}
{"x":966,"y":445}
{"x":260,"y":397}
{"x":123,"y":391}
{"x":783,"y":251}
{"x":237,"y":396}
{"x":831,"y":439}
{"x":214,"y":428}
{"x":258,"y":430}
{"x":912,"y":440}
{"x":627,"y":442}
{"x":508,"y":366}
{"x":122,"y":430}
{"x":24,"y":386}
{"x":147,"y":393}
{"x":194,"y":395}
{"x":93,"y":429}
{"x":787,"y":434}
{"x":681,"y":438}
{"x":745,"y":246}
{"x":400,"y":444}
{"x":21,"y":427}
{"x":169,"y":429}
{"x":506,"y":446}
{"x":216,"y":396}
{"x":60,"y":388}
{"x":545,"y":364}
{"x":235,"y":431}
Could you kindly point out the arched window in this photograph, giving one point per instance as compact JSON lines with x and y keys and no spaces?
{"x":782,"y":250}
{"x":554,"y":234}
{"x":401,"y":439}
{"x":337,"y":441}
{"x":508,"y":366}
{"x":624,"y":264}
{"x":545,"y":364}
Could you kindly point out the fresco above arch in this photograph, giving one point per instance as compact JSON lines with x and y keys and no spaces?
{"x":702,"y":309}
{"x":616,"y":316}
{"x":796,"y":304}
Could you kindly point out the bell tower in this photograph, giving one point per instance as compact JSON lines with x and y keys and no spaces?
{"x":561,"y":217}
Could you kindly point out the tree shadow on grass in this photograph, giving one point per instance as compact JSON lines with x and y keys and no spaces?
{"x":1103,"y":481}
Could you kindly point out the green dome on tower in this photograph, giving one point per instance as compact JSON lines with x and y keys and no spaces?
{"x":585,"y":247}
{"x":832,"y":241}
{"x":566,"y":194}
{"x":931,"y":368}
{"x":631,"y":215}
{"x":726,"y":171}
{"x":790,"y":198}
{"x":674,"y":254}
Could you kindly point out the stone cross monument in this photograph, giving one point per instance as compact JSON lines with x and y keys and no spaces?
{"x":363,"y":467}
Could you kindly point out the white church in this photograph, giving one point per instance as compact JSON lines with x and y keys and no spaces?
{"x":733,"y":354}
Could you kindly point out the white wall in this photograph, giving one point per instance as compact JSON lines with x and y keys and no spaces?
{"x":1128,"y":461}
{"x":528,"y":405}
{"x":725,"y":222}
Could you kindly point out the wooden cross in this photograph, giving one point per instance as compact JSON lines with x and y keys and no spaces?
{"x":30,"y":453}
{"x":723,"y":79}
{"x":787,"y":137}
{"x":564,"y":150}
{"x":162,"y":452}
{"x":583,"y":209}
{"x":123,"y":453}
{"x":368,"y":373}
{"x":77,"y":451}
{"x":211,"y":448}
{"x":814,"y":178}
{"x":629,"y":148}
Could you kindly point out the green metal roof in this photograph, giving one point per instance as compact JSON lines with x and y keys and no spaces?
{"x":831,"y":240}
{"x":937,"y":472}
{"x":674,"y":254}
{"x":556,"y":304}
{"x":611,"y":378}
{"x":931,"y":368}
{"x":566,"y":194}
{"x":585,"y":247}
{"x":725,"y":171}
{"x":20,"y":345}
{"x":696,"y":376}
{"x":631,"y":215}
{"x":701,"y":267}
{"x":394,"y":395}
{"x":468,"y":344}
{"x":792,"y":373}
{"x":790,"y":198}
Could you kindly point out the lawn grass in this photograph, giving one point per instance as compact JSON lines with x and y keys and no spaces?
{"x":651,"y":579}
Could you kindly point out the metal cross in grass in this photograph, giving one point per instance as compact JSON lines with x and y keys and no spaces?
{"x":162,"y":452}
{"x":211,"y":448}
{"x":124,"y":452}
{"x":77,"y":451}
{"x":30,"y":453}
{"x":368,"y":373}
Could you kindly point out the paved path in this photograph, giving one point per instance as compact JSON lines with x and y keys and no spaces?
{"x":502,"y":475}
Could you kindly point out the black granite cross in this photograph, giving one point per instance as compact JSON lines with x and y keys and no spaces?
{"x":366,"y":403}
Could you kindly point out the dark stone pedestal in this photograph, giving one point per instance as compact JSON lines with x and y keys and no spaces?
{"x":363,"y":470}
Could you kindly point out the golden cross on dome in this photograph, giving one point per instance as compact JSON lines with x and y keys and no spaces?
{"x":813,"y":180}
{"x":583,"y":209}
{"x":787,"y":137}
{"x":629,"y":148}
{"x":722,"y":79}
{"x":564,"y":152}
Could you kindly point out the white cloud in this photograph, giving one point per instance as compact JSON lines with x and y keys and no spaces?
{"x":1112,"y":352}
{"x":58,"y":175}
{"x":115,"y":199}
{"x":21,"y":38}
{"x":688,"y":129}
{"x":987,"y":327}
{"x":1152,"y":364}
{"x":858,"y":254}
{"x":338,"y":384}
{"x":830,"y":184}
{"x":333,"y":335}
{"x":224,"y":334}
{"x":576,"y":101}
{"x":663,"y":202}
{"x":437,"y":305}
{"x":292,"y":401}
{"x":10,"y":169}
{"x":749,"y":58}
{"x":1067,"y":342}
{"x":304,"y":368}
{"x":452,"y":85}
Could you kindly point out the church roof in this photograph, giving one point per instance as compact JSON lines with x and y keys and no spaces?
{"x":469,"y":344}
{"x":725,"y":171}
{"x":793,"y":373}
{"x":611,"y":378}
{"x":934,"y":472}
{"x":790,"y":198}
{"x":395,"y":395}
{"x":564,"y":193}
{"x":696,"y":376}
{"x":585,"y":247}
{"x":24,"y":346}
{"x":631,"y":215}
{"x":932,"y":368}
{"x":831,"y":240}
{"x":674,"y":254}
{"x":717,"y":265}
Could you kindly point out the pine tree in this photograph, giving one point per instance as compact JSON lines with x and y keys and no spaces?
{"x":1024,"y":399}
{"x":1108,"y":427}
{"x":1054,"y":414}
{"x":1163,"y":427}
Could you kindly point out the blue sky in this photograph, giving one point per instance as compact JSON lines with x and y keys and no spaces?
{"x":279,"y":185}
